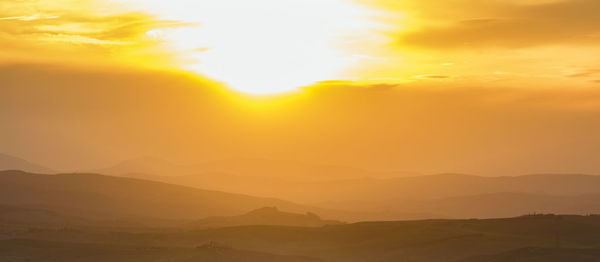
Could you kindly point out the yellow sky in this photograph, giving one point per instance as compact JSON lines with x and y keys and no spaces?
{"x":273,"y":46}
{"x":484,"y":87}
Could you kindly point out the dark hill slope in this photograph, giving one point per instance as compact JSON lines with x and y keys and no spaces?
{"x":265,"y":216}
{"x":105,"y":197}
{"x":532,"y":254}
{"x":414,"y":241}
{"x":42,"y":251}
{"x":8,"y":162}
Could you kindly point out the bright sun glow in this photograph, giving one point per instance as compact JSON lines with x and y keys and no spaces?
{"x":263,"y":46}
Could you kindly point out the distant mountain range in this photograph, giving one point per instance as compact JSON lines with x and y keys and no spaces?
{"x":366,"y":198}
{"x":8,"y":162}
{"x":420,"y":197}
{"x":13,"y":215}
{"x":279,"y":169}
{"x":105,"y":197}
{"x":93,"y":217}
{"x":462,"y":196}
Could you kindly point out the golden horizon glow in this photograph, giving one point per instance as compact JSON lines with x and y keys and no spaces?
{"x":268,"y":47}
{"x":264,"y":46}
{"x":400,"y":84}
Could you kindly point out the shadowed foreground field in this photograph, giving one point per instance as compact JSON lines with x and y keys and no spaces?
{"x":33,"y":250}
{"x":88,"y":218}
{"x":528,"y":238}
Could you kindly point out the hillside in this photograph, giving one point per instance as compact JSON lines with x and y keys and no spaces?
{"x":421,"y":197}
{"x":263,"y":168}
{"x":12,"y":215}
{"x":438,"y":186}
{"x":265,"y":216}
{"x":448,"y":185}
{"x":105,"y":197}
{"x":496,"y":205}
{"x":531,"y":254}
{"x":8,"y":162}
{"x":32,"y":250}
{"x":532,"y":238}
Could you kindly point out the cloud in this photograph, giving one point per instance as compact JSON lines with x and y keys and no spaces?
{"x":586,"y":73}
{"x":28,"y":18}
{"x":52,"y":32}
{"x":506,"y":24}
{"x":432,"y":76}
{"x":110,"y":28}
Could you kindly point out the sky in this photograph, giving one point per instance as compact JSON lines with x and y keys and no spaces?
{"x":492,"y":87}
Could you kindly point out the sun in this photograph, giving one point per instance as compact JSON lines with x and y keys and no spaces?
{"x":263,"y":46}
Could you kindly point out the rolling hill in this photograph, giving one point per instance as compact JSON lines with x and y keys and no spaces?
{"x":265,"y":216}
{"x":15,"y":250}
{"x":531,"y":238}
{"x":105,"y":197}
{"x":8,"y":162}
{"x":402,"y":198}
{"x":422,"y":197}
{"x":262,"y":168}
{"x":12,"y":215}
{"x":536,"y":254}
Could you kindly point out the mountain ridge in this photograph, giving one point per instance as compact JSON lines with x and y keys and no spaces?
{"x":9,"y":162}
{"x":116,"y":197}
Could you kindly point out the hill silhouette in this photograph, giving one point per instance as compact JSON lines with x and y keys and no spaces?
{"x":39,"y":250}
{"x":29,"y":216}
{"x":536,"y":254}
{"x":420,"y":197}
{"x":265,"y":216}
{"x":8,"y":162}
{"x":263,"y":168}
{"x":531,"y":238}
{"x":105,"y":197}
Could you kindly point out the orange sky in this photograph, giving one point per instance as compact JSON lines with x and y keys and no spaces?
{"x":270,"y":46}
{"x":488,"y":87}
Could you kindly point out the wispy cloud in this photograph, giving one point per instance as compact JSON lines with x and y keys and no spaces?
{"x":73,"y":31}
{"x":30,"y":17}
{"x":431,"y":76}
{"x":506,"y":24}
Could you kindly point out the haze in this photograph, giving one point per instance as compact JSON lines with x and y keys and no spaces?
{"x":238,"y":129}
